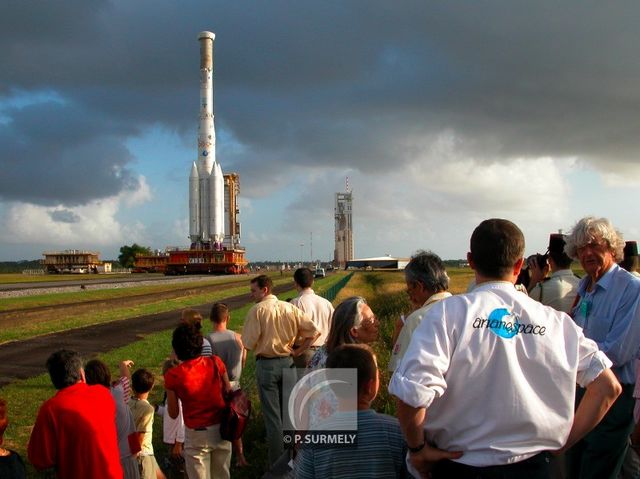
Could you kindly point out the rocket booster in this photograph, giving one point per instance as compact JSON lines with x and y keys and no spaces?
{"x":206,"y":182}
{"x":194,"y":202}
{"x":216,"y":188}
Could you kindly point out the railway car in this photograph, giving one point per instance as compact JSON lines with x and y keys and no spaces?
{"x":206,"y":261}
{"x":150,"y":263}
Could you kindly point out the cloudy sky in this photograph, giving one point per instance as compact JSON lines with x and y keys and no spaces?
{"x":440,"y":113}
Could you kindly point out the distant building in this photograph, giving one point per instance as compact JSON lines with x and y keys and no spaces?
{"x":344,"y":228}
{"x":74,"y":261}
{"x":379,"y":262}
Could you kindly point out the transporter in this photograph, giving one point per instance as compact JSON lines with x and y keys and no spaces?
{"x":74,"y":261}
{"x":151,"y":263}
{"x":214,"y":229}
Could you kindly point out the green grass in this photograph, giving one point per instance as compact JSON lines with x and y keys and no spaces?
{"x":26,"y":302}
{"x":35,"y":328}
{"x":10,"y":278}
{"x":53,"y":324}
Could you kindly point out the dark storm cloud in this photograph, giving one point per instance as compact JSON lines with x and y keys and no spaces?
{"x":64,"y":216}
{"x":60,"y":153}
{"x":508,"y":79}
{"x":337,"y":83}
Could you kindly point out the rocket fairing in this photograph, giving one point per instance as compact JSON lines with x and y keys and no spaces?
{"x":206,"y":182}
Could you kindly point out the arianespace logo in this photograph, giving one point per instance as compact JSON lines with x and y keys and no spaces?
{"x":505,"y":324}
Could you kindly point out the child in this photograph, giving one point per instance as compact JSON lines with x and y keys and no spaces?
{"x":11,"y":465}
{"x":172,"y":431}
{"x":123,"y":383}
{"x":141,"y":385}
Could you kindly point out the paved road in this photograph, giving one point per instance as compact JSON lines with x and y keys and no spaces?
{"x":24,"y":359}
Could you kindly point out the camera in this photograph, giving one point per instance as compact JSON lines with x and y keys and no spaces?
{"x":541,"y":259}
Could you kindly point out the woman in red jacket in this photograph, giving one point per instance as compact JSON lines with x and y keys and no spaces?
{"x":200,"y":383}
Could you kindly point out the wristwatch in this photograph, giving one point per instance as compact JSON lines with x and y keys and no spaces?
{"x":417,"y":448}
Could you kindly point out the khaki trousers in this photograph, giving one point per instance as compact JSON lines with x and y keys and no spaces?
{"x":206,"y":454}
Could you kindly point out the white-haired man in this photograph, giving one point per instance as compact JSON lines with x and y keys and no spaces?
{"x":608,"y":310}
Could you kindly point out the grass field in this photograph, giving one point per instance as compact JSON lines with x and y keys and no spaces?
{"x":384,"y":291}
{"x":51,"y":323}
{"x":26,"y":302}
{"x":10,"y":278}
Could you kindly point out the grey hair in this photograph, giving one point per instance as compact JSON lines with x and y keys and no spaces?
{"x":359,"y":302}
{"x":590,"y":229}
{"x":347,"y":315}
{"x":427,"y":268}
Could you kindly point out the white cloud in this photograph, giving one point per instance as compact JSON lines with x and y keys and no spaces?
{"x":532,"y":187}
{"x":621,"y":175}
{"x":91,"y":225}
{"x":139,"y":196}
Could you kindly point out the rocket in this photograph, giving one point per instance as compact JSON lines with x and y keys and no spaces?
{"x":206,"y":181}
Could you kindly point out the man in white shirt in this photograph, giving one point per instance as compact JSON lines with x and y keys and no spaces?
{"x":427,"y":282}
{"x":317,"y":308}
{"x":560,"y":289}
{"x":497,"y":372}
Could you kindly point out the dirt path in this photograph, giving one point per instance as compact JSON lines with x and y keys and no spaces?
{"x":24,"y":359}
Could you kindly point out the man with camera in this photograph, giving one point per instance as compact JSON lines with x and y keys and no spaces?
{"x":560,"y":289}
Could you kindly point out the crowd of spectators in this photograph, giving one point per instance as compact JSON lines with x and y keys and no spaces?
{"x":526,"y":375}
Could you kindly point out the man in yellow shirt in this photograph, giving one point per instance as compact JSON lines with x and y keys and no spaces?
{"x":270,"y":329}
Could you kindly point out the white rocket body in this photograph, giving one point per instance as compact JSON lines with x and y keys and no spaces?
{"x":206,"y":182}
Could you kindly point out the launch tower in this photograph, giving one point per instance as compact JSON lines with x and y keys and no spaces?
{"x":344,"y":228}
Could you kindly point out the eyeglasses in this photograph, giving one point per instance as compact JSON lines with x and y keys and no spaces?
{"x":370,"y":320}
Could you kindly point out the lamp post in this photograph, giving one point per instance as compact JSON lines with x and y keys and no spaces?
{"x":301,"y":253}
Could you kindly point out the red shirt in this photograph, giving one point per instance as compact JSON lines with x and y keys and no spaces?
{"x":198,"y":384}
{"x":75,"y":432}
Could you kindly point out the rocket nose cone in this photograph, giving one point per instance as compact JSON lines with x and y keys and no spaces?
{"x":205,"y":34}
